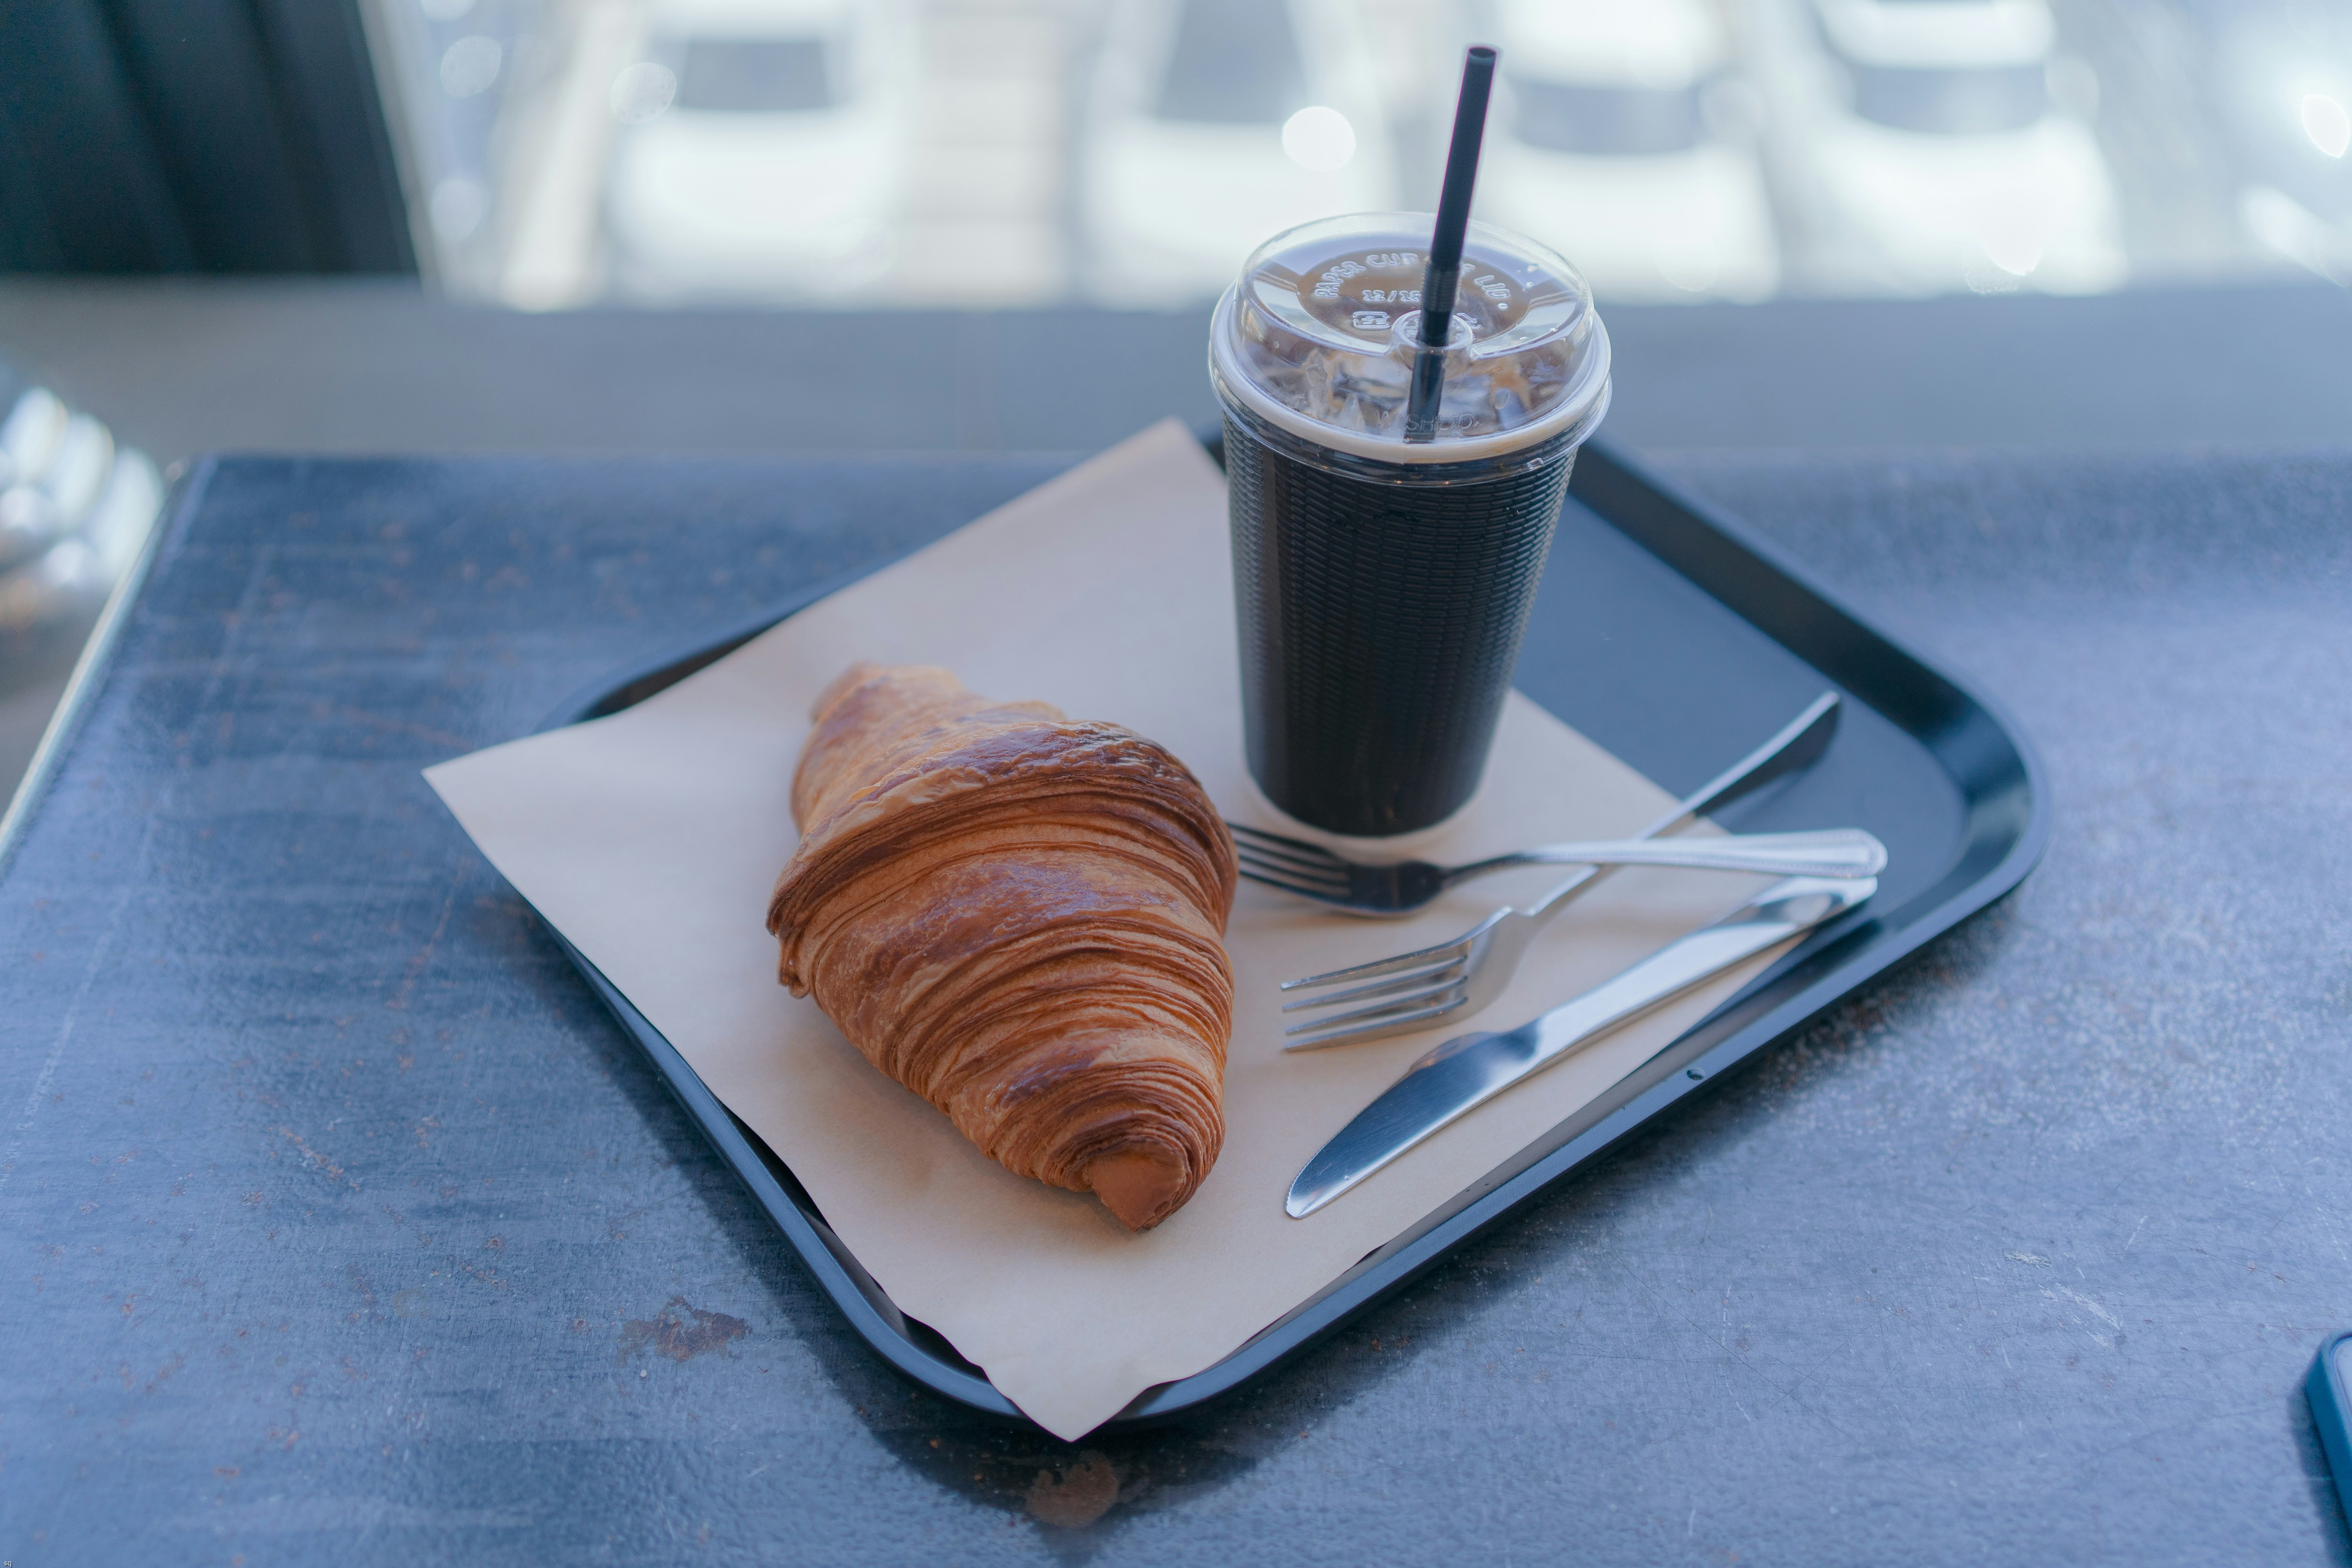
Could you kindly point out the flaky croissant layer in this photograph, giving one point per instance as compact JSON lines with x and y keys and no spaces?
{"x":1019,"y":918}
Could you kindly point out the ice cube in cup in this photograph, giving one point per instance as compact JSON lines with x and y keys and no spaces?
{"x":1382,"y":587}
{"x":1323,"y":320}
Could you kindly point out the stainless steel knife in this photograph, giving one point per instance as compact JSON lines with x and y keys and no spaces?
{"x":1470,"y":1069}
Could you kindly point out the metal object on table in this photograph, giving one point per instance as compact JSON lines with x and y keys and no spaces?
{"x":30,"y":435}
{"x":1310,"y":871}
{"x":1468,"y":1071}
{"x":2328,"y":1388}
{"x":1642,"y":547}
{"x":74,"y":510}
{"x":1412,"y":991}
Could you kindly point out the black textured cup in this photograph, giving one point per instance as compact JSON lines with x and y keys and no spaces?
{"x":1380,"y":609}
{"x":1384,"y":569}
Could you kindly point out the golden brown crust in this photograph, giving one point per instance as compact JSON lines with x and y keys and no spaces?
{"x":1019,"y":918}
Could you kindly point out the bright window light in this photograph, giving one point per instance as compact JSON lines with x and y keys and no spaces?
{"x":642,"y":92}
{"x":2325,"y":120}
{"x":1319,"y":139}
{"x":469,"y":66}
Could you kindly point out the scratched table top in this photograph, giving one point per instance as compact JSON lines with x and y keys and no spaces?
{"x":339,"y":1223}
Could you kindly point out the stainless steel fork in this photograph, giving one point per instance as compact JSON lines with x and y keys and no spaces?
{"x":1385,"y":892}
{"x":1413,"y":990}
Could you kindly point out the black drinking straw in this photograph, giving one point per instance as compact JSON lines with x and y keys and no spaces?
{"x":1438,"y":284}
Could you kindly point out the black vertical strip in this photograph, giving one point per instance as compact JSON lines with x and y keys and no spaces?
{"x":87,"y":188}
{"x":28,"y":241}
{"x":341,"y":142}
{"x":1454,"y":199}
{"x":205,"y":84}
{"x":1427,"y":392}
{"x":185,"y":135}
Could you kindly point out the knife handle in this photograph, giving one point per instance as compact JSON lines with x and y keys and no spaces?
{"x":1784,"y":910}
{"x":1470,"y":1069}
{"x":1780,"y":913}
{"x":1833,"y":852}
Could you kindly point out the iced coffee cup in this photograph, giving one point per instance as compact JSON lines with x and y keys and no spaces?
{"x":1383,"y":583}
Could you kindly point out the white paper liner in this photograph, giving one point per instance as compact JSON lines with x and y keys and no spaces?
{"x":651,"y":840}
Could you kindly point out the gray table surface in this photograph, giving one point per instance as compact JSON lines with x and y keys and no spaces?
{"x":339,"y":1223}
{"x":182,"y":365}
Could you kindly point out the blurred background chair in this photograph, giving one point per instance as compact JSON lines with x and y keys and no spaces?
{"x":195,"y":136}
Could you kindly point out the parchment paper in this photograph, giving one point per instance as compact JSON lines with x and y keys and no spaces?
{"x":651,"y":839}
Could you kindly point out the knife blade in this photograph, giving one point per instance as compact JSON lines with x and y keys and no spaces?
{"x":1468,"y":1070}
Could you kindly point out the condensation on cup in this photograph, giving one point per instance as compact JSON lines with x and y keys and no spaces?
{"x":1382,"y":586}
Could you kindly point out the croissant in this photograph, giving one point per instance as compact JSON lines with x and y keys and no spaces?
{"x":1018,"y":917}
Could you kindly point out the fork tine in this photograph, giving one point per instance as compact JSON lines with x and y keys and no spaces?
{"x":1323,"y":870}
{"x":1315,"y":894}
{"x":1450,"y":969}
{"x":1382,"y":1010}
{"x":1403,"y":1023}
{"x":1329,"y":883}
{"x":1322,"y":865}
{"x":1301,"y":845}
{"x":1459,"y":948}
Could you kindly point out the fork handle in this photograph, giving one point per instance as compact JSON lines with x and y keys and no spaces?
{"x":1842,"y":852}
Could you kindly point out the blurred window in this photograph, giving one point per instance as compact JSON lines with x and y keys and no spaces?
{"x":2188,"y":140}
{"x":1233,"y":62}
{"x":1976,"y":100}
{"x":1578,"y":117}
{"x":754,"y":76}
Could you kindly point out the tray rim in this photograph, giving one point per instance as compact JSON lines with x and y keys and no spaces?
{"x":1950,"y":718}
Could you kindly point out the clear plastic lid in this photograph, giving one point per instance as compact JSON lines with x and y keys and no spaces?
{"x":1319,"y":334}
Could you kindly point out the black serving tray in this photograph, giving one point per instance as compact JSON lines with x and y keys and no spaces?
{"x":1676,"y":638}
